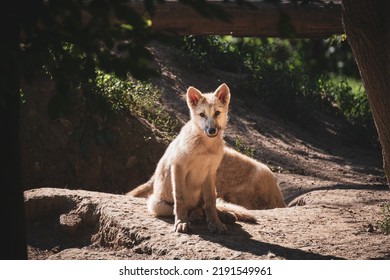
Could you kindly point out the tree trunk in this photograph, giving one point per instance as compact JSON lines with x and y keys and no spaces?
{"x":12,"y":202}
{"x":367,"y":25}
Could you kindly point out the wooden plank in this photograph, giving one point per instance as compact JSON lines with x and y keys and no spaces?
{"x":314,"y":20}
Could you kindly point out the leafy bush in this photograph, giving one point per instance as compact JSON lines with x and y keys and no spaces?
{"x":138,"y":97}
{"x":203,"y":52}
{"x":115,"y":92}
{"x":349,"y":97}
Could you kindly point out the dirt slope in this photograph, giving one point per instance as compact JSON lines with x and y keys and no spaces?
{"x":334,"y":186}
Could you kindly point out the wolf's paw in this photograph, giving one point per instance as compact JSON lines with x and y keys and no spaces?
{"x":181,"y":227}
{"x":217,"y":227}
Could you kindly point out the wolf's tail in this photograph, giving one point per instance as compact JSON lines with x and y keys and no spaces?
{"x":143,"y":190}
{"x":242,"y":214}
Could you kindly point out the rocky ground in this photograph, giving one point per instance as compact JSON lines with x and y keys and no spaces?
{"x":327,"y":224}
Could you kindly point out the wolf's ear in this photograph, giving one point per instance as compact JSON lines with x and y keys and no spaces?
{"x":223,"y":94}
{"x":193,"y":96}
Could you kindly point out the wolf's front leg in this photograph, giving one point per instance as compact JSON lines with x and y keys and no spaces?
{"x":180,"y":209}
{"x":209,"y":198}
{"x":181,"y":217}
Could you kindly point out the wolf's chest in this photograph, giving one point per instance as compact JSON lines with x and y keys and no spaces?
{"x":201,"y":168}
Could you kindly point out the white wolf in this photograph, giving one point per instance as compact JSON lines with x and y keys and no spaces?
{"x":185,"y":177}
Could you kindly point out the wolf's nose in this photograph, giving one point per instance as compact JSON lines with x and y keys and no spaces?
{"x":212,"y":131}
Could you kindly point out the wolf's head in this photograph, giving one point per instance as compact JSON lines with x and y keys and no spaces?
{"x":209,"y":111}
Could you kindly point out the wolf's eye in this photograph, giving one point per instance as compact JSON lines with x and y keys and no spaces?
{"x":202,"y":115}
{"x":217,"y":113}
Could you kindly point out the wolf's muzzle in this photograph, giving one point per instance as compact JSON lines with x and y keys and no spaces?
{"x":211,"y":132}
{"x":211,"y":128}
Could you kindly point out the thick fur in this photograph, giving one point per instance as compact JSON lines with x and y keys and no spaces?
{"x":240,"y":180}
{"x":185,"y":176}
{"x":244,"y":181}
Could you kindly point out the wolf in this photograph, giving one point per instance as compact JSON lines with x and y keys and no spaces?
{"x":240,"y":180}
{"x":247,"y":182}
{"x":185,"y":177}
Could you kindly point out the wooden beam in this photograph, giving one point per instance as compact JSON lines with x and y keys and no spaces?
{"x":264,"y":19}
